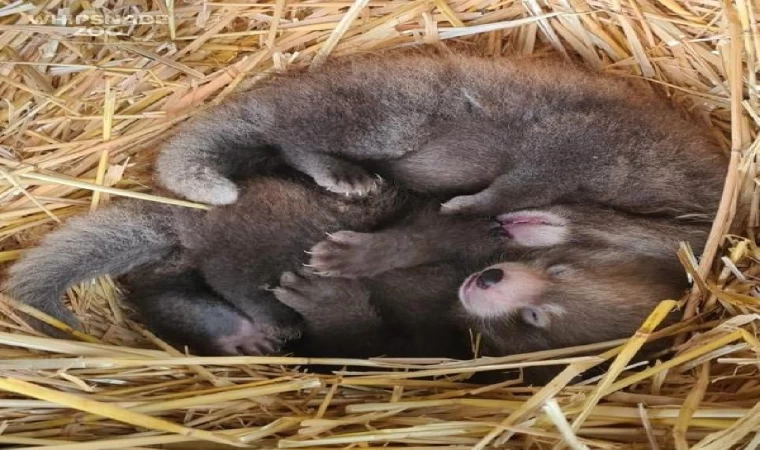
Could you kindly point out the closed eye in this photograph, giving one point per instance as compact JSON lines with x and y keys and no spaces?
{"x":558,"y":270}
{"x":535,"y":317}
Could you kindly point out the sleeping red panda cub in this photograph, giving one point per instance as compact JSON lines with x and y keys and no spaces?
{"x":569,"y":275}
{"x":497,"y":134}
{"x":530,"y":280}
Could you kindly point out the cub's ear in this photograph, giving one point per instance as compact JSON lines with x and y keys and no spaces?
{"x":534,"y":228}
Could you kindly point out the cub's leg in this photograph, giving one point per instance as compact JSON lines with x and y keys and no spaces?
{"x":339,"y":319}
{"x":333,"y":173}
{"x":516,"y":190}
{"x":182,"y":310}
{"x":428,"y":239}
{"x":327,"y":304}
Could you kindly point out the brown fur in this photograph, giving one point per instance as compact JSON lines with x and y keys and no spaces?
{"x":615,"y":269}
{"x":212,"y":280}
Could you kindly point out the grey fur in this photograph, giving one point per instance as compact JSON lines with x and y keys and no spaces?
{"x":501,"y":134}
{"x":113,"y":241}
{"x":179,"y":306}
{"x":163,"y":242}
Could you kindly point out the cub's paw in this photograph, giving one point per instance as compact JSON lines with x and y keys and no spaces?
{"x":464,"y":205}
{"x":194,"y":181}
{"x":299,"y":291}
{"x":311,"y":295}
{"x":214,"y":191}
{"x":232,"y":337}
{"x":248,"y":339}
{"x":348,"y":179}
{"x":482,"y":203}
{"x":347,"y":254}
{"x":326,"y":304}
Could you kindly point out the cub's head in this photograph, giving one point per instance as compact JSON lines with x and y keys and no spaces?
{"x":574,"y":276}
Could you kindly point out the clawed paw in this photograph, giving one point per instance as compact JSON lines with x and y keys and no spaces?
{"x":249,"y":340}
{"x":311,"y":295}
{"x":350,"y":180}
{"x":343,"y":254}
{"x":296,"y":290}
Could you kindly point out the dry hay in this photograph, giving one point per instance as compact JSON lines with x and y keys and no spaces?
{"x":81,"y":117}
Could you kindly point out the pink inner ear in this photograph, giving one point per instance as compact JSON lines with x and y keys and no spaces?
{"x":534,"y":228}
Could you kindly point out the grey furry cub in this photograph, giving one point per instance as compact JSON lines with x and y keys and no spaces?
{"x":497,"y":134}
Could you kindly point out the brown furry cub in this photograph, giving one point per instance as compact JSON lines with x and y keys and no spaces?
{"x":531,"y":280}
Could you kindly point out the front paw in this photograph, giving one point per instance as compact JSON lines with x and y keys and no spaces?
{"x":463,"y":205}
{"x":195,"y":182}
{"x":326,"y":304}
{"x":483,"y":203}
{"x":214,"y":191}
{"x":209,"y":188}
{"x":297,"y":291}
{"x":311,"y":295}
{"x":350,"y":180}
{"x":346,"y":254}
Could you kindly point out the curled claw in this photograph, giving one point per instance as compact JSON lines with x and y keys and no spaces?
{"x":340,"y":237}
{"x":267,"y":287}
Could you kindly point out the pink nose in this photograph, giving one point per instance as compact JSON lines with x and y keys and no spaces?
{"x":489,"y":277}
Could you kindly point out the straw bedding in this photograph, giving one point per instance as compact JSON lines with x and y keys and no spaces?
{"x":84,"y":107}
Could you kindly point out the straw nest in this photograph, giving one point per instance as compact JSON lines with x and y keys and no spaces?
{"x":84,"y":107}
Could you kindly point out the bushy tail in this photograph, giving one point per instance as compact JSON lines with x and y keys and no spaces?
{"x":111,"y":241}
